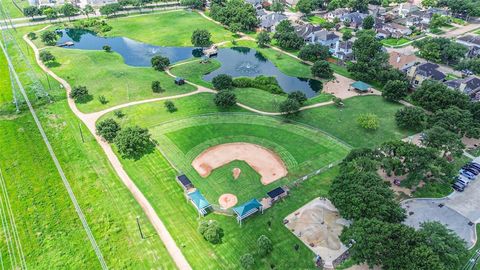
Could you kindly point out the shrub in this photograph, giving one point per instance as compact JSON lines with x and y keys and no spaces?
{"x":369,"y":121}
{"x":314,"y":52}
{"x":211,"y":231}
{"x":160,"y":63}
{"x":413,"y":118}
{"x":298,"y":96}
{"x":79,"y":93}
{"x":108,"y":129}
{"x":268,"y":84}
{"x":201,"y":38}
{"x":156,"y":87}
{"x":322,"y":69}
{"x":119,"y":114}
{"x":265,"y":245}
{"x":222,"y":82}
{"x":132,"y":141}
{"x":170,"y":106}
{"x":289,"y":107}
{"x":46,"y":56}
{"x":247,"y":261}
{"x":32,"y":35}
{"x":102,"y":99}
{"x":263,"y":39}
{"x":225,"y":99}
{"x":338,"y":102}
{"x":49,"y":38}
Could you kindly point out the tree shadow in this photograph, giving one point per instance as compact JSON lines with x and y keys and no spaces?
{"x":148,"y":149}
{"x":85,"y":99}
{"x":53,"y":64}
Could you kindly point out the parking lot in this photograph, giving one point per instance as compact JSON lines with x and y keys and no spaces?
{"x":459,"y":211}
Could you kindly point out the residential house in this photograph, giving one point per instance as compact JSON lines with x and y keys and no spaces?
{"x":326,"y":38}
{"x":376,"y":10}
{"x":291,"y":3}
{"x":404,"y":9}
{"x":469,"y":86}
{"x":397,"y":30}
{"x":270,"y":21}
{"x":257,"y":4}
{"x":344,"y":50}
{"x":337,"y":13}
{"x":426,"y":71}
{"x":401,"y":61}
{"x":469,"y":40}
{"x":306,"y":31}
{"x":354,"y":18}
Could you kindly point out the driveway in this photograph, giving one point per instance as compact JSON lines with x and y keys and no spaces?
{"x":459,"y":211}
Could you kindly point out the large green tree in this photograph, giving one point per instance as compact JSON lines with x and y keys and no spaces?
{"x":108,"y":129}
{"x":235,"y":12}
{"x":133,"y":142}
{"x":412,"y":118}
{"x":314,"y":52}
{"x":456,"y":120}
{"x":201,"y":38}
{"x":322,"y":69}
{"x":433,"y":96}
{"x":443,"y":140}
{"x":225,"y":99}
{"x":395,"y":90}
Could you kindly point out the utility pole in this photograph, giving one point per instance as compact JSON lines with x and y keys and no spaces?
{"x":81,"y":133}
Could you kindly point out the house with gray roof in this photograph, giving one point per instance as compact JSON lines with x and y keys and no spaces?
{"x":426,"y":71}
{"x":355,"y":19}
{"x":469,"y":86}
{"x":326,"y":38}
{"x":469,"y":40}
{"x":270,"y":21}
{"x":306,"y":31}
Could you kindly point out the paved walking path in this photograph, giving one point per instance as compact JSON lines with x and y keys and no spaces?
{"x":157,"y":223}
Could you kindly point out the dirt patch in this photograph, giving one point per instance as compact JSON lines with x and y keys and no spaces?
{"x":340,"y":87}
{"x":236,"y":173}
{"x":227,"y":200}
{"x":265,"y":162}
{"x":318,"y":224}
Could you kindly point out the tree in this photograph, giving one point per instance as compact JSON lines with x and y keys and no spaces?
{"x":363,"y":194}
{"x":370,"y":58}
{"x":429,"y":3}
{"x":299,"y":96}
{"x":46,"y":56}
{"x":395,"y":90}
{"x":211,"y":231}
{"x":433,"y":96}
{"x":368,"y":121}
{"x":277,"y":6}
{"x":390,"y":245}
{"x":443,"y":140}
{"x":110,"y":9}
{"x":31,"y":11}
{"x":102,"y":99}
{"x":247,"y":261}
{"x":284,"y":26}
{"x":290,"y":107}
{"x":201,"y":38}
{"x":359,"y":5}
{"x":314,"y":52}
{"x":156,"y":87}
{"x":305,"y":6}
{"x":264,"y":245}
{"x":132,"y":142}
{"x":235,"y":11}
{"x":68,"y":10}
{"x":289,"y":40}
{"x":368,"y":22}
{"x":88,"y":9}
{"x":32,"y":35}
{"x":263,"y":39}
{"x":108,"y":129}
{"x":107,"y":48}
{"x":50,"y":13}
{"x":222,"y":82}
{"x":412,"y":118}
{"x":160,"y":63}
{"x":49,"y":38}
{"x":347,"y":34}
{"x":79,"y":93}
{"x":445,"y":243}
{"x":225,"y":99}
{"x":198,"y":4}
{"x":456,"y":120}
{"x":441,"y":50}
{"x":322,"y":69}
{"x":170,"y":106}
{"x":438,"y":21}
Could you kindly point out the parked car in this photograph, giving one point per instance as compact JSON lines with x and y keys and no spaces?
{"x":467,"y":174}
{"x":462,"y":181}
{"x":475,"y":165}
{"x":471,"y":169}
{"x":458,"y":187}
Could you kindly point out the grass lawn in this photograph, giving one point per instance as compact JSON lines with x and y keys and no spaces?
{"x":342,"y":122}
{"x":166,"y":29}
{"x":316,"y":19}
{"x":13,"y":11}
{"x":259,"y":99}
{"x":106,"y":74}
{"x":194,"y":71}
{"x":475,"y":152}
{"x":394,"y":42}
{"x":5,"y":88}
{"x":50,"y":232}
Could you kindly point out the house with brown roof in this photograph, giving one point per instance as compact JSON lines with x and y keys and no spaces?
{"x":401,"y":61}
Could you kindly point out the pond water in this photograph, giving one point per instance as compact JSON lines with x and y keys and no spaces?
{"x":236,"y":61}
{"x":133,"y":52}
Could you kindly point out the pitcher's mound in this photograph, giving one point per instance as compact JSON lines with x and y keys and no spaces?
{"x":227,"y":200}
{"x":236,"y":173}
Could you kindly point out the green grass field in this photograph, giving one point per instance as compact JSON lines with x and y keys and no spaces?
{"x":183,"y":140}
{"x":166,"y":29}
{"x":5,"y":88}
{"x":394,"y":42}
{"x":316,"y":19}
{"x":50,"y":232}
{"x":342,"y":122}
{"x":106,"y":74}
{"x":13,"y":11}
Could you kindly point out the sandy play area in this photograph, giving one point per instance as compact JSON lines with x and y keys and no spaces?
{"x":340,"y":86}
{"x":319,"y":225}
{"x":265,"y":162}
{"x":227,"y":200}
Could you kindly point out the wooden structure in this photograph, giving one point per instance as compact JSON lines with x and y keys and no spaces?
{"x":210,"y":51}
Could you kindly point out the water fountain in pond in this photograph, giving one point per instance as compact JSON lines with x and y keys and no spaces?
{"x":247,"y":67}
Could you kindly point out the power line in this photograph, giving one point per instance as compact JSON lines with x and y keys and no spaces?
{"x":57,"y":163}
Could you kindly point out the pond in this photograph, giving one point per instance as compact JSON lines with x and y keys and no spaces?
{"x":236,"y":61}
